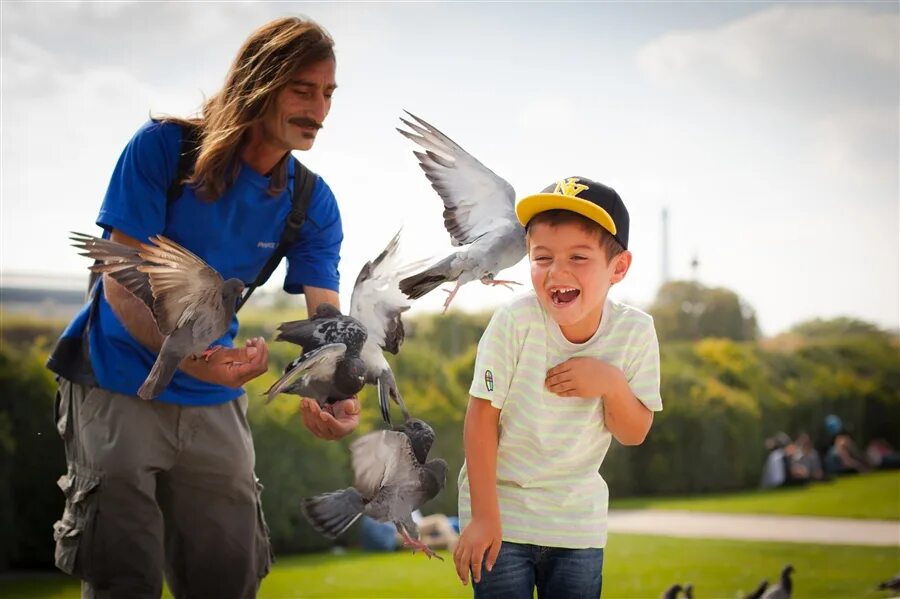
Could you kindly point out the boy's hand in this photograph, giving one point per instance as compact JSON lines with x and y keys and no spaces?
{"x":480,"y":536}
{"x":578,"y":377}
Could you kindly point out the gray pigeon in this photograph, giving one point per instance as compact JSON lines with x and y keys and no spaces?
{"x":190,"y":302}
{"x":391,"y":480}
{"x":479,"y":213}
{"x":756,"y":594}
{"x":890,"y":585}
{"x":784,"y":588}
{"x":672,"y":592}
{"x":342,"y":353}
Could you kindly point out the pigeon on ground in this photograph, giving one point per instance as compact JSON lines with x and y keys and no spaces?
{"x":759,"y":590}
{"x":391,"y":479}
{"x":784,"y":588}
{"x":890,"y":585}
{"x":479,"y":213}
{"x":190,"y":302}
{"x":341,"y":353}
{"x":672,"y":592}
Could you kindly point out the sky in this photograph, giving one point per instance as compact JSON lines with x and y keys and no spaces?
{"x":768,"y":131}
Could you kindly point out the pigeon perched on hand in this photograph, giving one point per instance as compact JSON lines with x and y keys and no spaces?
{"x":785,"y":586}
{"x":479,"y":213}
{"x":341,"y":353}
{"x":391,"y":479}
{"x":190,"y":302}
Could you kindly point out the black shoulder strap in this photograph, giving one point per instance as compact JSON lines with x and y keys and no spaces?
{"x":187,"y":155}
{"x":304,"y":183}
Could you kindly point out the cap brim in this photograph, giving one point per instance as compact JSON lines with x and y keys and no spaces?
{"x":529,"y":206}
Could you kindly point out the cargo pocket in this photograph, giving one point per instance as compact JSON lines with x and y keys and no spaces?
{"x":73,"y":532}
{"x":265,"y":557}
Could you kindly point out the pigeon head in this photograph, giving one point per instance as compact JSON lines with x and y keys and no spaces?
{"x":421,"y":437}
{"x":231,"y":291}
{"x":350,"y":376}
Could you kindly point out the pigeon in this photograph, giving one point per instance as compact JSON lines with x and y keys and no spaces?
{"x":890,"y":585}
{"x":190,"y":302}
{"x":672,"y":592}
{"x":342,"y":353}
{"x":391,"y":479}
{"x":479,"y":213}
{"x":759,"y":590}
{"x":784,"y":588}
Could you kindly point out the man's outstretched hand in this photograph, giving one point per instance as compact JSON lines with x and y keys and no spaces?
{"x":337,"y":420}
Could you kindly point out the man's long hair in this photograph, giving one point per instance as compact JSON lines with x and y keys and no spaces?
{"x":264,"y":65}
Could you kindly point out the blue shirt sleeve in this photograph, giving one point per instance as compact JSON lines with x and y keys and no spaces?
{"x":135,"y":201}
{"x":313,"y":259}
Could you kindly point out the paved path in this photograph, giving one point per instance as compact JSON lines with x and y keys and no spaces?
{"x":756,"y":527}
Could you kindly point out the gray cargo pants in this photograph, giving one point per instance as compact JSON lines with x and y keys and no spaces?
{"x":154,"y":487}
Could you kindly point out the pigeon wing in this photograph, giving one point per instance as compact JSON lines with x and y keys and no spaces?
{"x":317,"y":365}
{"x":182,"y":283}
{"x":474,"y":196}
{"x":119,"y":261}
{"x":380,"y":459}
{"x":377,"y":301}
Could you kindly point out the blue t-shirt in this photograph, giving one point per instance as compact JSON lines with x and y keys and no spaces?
{"x":235,"y":234}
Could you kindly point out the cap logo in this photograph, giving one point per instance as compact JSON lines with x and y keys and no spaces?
{"x":569,"y":187}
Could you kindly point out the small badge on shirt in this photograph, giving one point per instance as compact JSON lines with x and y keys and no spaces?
{"x":489,"y":380}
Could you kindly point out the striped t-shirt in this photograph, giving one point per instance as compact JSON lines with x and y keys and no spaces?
{"x":548,"y":483}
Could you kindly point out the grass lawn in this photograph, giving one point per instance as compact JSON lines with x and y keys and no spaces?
{"x":874,"y":495}
{"x":636,"y":566}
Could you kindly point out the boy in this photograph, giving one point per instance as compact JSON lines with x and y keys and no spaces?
{"x":558,"y":373}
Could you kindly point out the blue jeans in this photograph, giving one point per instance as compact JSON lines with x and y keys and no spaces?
{"x":557,"y":573}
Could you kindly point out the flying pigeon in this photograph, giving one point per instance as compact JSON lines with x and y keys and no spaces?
{"x":391,"y":479}
{"x":341,"y":353}
{"x":479,"y":213}
{"x":190,"y":302}
{"x":784,"y":588}
{"x":890,"y":585}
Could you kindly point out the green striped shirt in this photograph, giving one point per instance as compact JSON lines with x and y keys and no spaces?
{"x":549,"y":486}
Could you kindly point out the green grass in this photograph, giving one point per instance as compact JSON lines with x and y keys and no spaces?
{"x":875,"y":495}
{"x":636,"y":566}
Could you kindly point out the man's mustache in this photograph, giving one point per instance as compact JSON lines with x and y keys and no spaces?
{"x":305,"y":122}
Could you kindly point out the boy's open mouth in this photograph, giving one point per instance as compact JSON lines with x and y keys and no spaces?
{"x":563,"y":296}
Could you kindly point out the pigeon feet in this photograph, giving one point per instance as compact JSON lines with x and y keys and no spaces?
{"x":450,"y":297}
{"x":507,"y":284}
{"x":207,"y":354}
{"x":419,"y":546}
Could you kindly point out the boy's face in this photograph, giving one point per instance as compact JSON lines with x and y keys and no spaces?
{"x":571,"y":276}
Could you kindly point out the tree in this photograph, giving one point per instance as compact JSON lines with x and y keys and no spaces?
{"x":686,"y":310}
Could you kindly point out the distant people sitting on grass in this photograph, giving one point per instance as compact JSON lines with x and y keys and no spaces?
{"x":882,"y":455}
{"x":781,"y":469}
{"x":843,"y":455}
{"x":805,"y":455}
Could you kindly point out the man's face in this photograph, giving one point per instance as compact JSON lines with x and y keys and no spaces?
{"x":300,"y":108}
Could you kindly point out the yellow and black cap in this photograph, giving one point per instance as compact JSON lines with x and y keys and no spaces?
{"x":588,"y":198}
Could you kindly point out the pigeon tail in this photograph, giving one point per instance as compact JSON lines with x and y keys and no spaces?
{"x":163,"y":369}
{"x":333,"y":513}
{"x":759,"y":590}
{"x":417,"y":285}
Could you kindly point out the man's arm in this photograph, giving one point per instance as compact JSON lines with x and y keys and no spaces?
{"x":625,"y":416}
{"x":229,"y":367}
{"x":484,"y":533}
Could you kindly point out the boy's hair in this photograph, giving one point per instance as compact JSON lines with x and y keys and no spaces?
{"x":263,"y":66}
{"x":557,"y":217}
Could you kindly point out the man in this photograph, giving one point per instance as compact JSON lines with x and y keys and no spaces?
{"x":168,"y":484}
